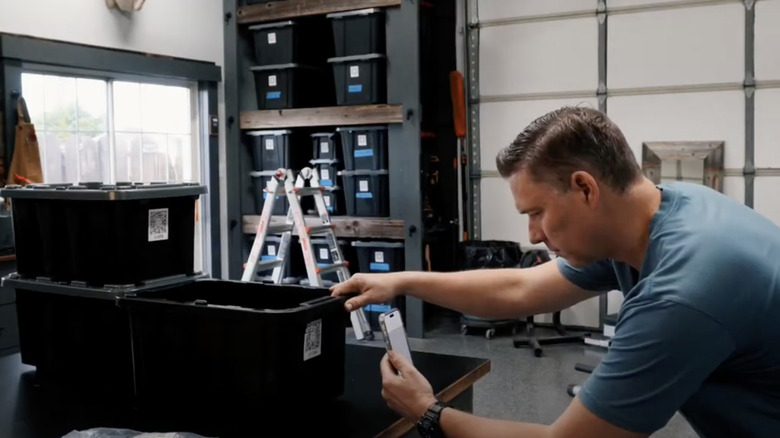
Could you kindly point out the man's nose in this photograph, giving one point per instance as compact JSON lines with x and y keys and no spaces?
{"x":535,"y":234}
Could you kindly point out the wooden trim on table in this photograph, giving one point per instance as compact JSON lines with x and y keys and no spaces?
{"x":300,"y":8}
{"x":8,"y":258}
{"x":402,"y":426}
{"x":346,"y":226}
{"x":324,"y":116}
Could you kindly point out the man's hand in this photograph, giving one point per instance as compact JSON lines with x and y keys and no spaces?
{"x":373,"y":289}
{"x":409,"y":393}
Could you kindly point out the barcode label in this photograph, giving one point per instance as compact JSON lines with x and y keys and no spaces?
{"x":379,"y":256}
{"x":312,"y":341}
{"x":362,"y":140}
{"x":325,"y":174}
{"x":269,"y":144}
{"x":324,"y":254}
{"x":272,"y":38}
{"x":354,"y":71}
{"x":271,"y":250}
{"x":158,"y":224}
{"x":364,"y":186}
{"x":272,"y":80}
{"x":324,"y":147}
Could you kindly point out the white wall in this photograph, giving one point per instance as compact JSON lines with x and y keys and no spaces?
{"x":671,"y":49}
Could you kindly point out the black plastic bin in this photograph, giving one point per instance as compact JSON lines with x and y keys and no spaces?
{"x":327,"y":171}
{"x":360,"y":79}
{"x":99,"y":234}
{"x":334,"y":200}
{"x":366,"y":192}
{"x":326,"y":146}
{"x":364,"y":147}
{"x":218,"y":344}
{"x":77,"y":337}
{"x":292,"y":41}
{"x":274,"y":149}
{"x":292,"y":85}
{"x":260,"y":181}
{"x":295,"y":269}
{"x":358,"y":32}
{"x":323,"y":256}
{"x":379,"y":256}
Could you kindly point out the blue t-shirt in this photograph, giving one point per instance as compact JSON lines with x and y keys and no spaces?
{"x":699,"y":328}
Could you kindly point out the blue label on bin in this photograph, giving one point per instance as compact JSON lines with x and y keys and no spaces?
{"x":361,"y":153}
{"x":385,"y":267}
{"x":356,"y":88}
{"x":273,"y":95}
{"x":326,"y":182}
{"x":366,"y":195}
{"x":265,"y":195}
{"x":265,"y":258}
{"x":321,"y":265}
{"x":378,"y":308}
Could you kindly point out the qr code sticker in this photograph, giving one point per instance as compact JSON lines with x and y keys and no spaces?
{"x":312,"y":342}
{"x":158,"y":224}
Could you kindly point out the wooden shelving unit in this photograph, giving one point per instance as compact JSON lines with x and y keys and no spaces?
{"x":301,"y":8}
{"x":346,"y":226}
{"x":328,"y":116}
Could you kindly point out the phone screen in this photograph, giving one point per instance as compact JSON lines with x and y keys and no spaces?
{"x":395,"y":334}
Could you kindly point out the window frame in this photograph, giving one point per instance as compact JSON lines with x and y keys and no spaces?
{"x":21,"y":54}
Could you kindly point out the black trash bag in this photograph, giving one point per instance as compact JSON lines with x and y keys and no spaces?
{"x":481,"y":254}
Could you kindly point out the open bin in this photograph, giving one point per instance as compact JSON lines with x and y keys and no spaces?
{"x":366,"y":192}
{"x":360,"y":79}
{"x":215,"y":342}
{"x":364,"y":147}
{"x":102,"y":234}
{"x":358,"y":32}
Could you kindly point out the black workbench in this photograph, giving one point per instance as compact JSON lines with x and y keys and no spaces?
{"x":31,"y":411}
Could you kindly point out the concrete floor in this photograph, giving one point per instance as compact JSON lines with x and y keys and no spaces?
{"x":519,"y":386}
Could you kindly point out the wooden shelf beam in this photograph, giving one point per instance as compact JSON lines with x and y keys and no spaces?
{"x":281,"y":10}
{"x":350,"y":227}
{"x":326,"y":116}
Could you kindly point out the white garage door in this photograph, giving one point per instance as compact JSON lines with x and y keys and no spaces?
{"x":669,"y":71}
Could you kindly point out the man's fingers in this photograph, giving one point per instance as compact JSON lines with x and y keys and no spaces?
{"x":399,"y":362}
{"x":386,"y":369}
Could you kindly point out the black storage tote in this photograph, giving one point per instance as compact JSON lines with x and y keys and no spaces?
{"x":358,"y":32}
{"x":327,"y":171}
{"x":364,"y":147}
{"x":366,"y":192}
{"x":334,"y":200}
{"x":360,"y":79}
{"x":218,"y":343}
{"x":283,"y":86}
{"x":260,"y":181}
{"x":326,"y":146}
{"x":102,"y":234}
{"x":274,"y":149}
{"x":301,"y":41}
{"x":380,"y":256}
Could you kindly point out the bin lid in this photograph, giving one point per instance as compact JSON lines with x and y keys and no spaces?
{"x":262,"y":173}
{"x":362,"y":128}
{"x":272,"y":25}
{"x":361,"y":243}
{"x":269,"y":132}
{"x":323,"y":134}
{"x":330,"y":161}
{"x":363,"y":172}
{"x":368,"y":11}
{"x":276,"y":67}
{"x":353,"y":58}
{"x":104,"y":192}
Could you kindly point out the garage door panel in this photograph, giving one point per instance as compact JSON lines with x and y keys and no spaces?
{"x":765,"y":197}
{"x":767,"y":126}
{"x":660,"y":48}
{"x":501,"y":122}
{"x":500,"y":218}
{"x":734,"y":188}
{"x":500,"y":9}
{"x":616,"y":4}
{"x":538,"y":57}
{"x":767,"y":40}
{"x":712,"y":116}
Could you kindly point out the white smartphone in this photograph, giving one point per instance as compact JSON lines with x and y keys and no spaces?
{"x":394,"y":332}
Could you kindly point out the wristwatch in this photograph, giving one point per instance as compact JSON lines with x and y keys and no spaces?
{"x":428,"y":426}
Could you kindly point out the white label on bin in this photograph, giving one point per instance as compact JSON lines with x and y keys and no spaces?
{"x":272,"y":80}
{"x":324,"y":147}
{"x":312,"y":342}
{"x":269,"y":144}
{"x":354,"y":71}
{"x":364,"y":185}
{"x":327,"y":201}
{"x":272,"y":38}
{"x":324,"y":254}
{"x":271,"y":250}
{"x":362,"y":140}
{"x":158,"y":224}
{"x":325,"y":174}
{"x":379,"y":257}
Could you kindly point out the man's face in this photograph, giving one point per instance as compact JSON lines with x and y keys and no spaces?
{"x":563,"y":221}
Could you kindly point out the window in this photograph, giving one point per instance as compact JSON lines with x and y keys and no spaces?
{"x":101,"y":130}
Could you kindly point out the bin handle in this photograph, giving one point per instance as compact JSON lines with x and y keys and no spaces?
{"x":317,"y":301}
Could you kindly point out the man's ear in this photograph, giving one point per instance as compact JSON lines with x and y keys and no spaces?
{"x":584,"y":185}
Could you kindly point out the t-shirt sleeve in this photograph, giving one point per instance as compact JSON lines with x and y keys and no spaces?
{"x":596,"y":277}
{"x":661,"y":353}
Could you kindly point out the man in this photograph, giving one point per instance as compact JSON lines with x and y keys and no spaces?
{"x":699,"y":328}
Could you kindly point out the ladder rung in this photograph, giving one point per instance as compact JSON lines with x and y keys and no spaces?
{"x":281,"y":228}
{"x":308,"y":191}
{"x":268,"y":264}
{"x":318,"y":229}
{"x":331,"y":268}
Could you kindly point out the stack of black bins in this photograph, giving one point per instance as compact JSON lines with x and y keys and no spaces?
{"x":144,"y":328}
{"x":329,"y":162}
{"x":365,"y":175}
{"x":360,"y":64}
{"x":272,"y":150}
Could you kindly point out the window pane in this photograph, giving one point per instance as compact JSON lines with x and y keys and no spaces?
{"x":128,"y":157}
{"x":165,"y":109}
{"x":92,"y":105}
{"x":60,"y":104}
{"x":93,"y":157}
{"x":180,"y":156}
{"x":155,"y":157}
{"x":61,"y":156}
{"x":127,"y":107}
{"x":34,"y":92}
